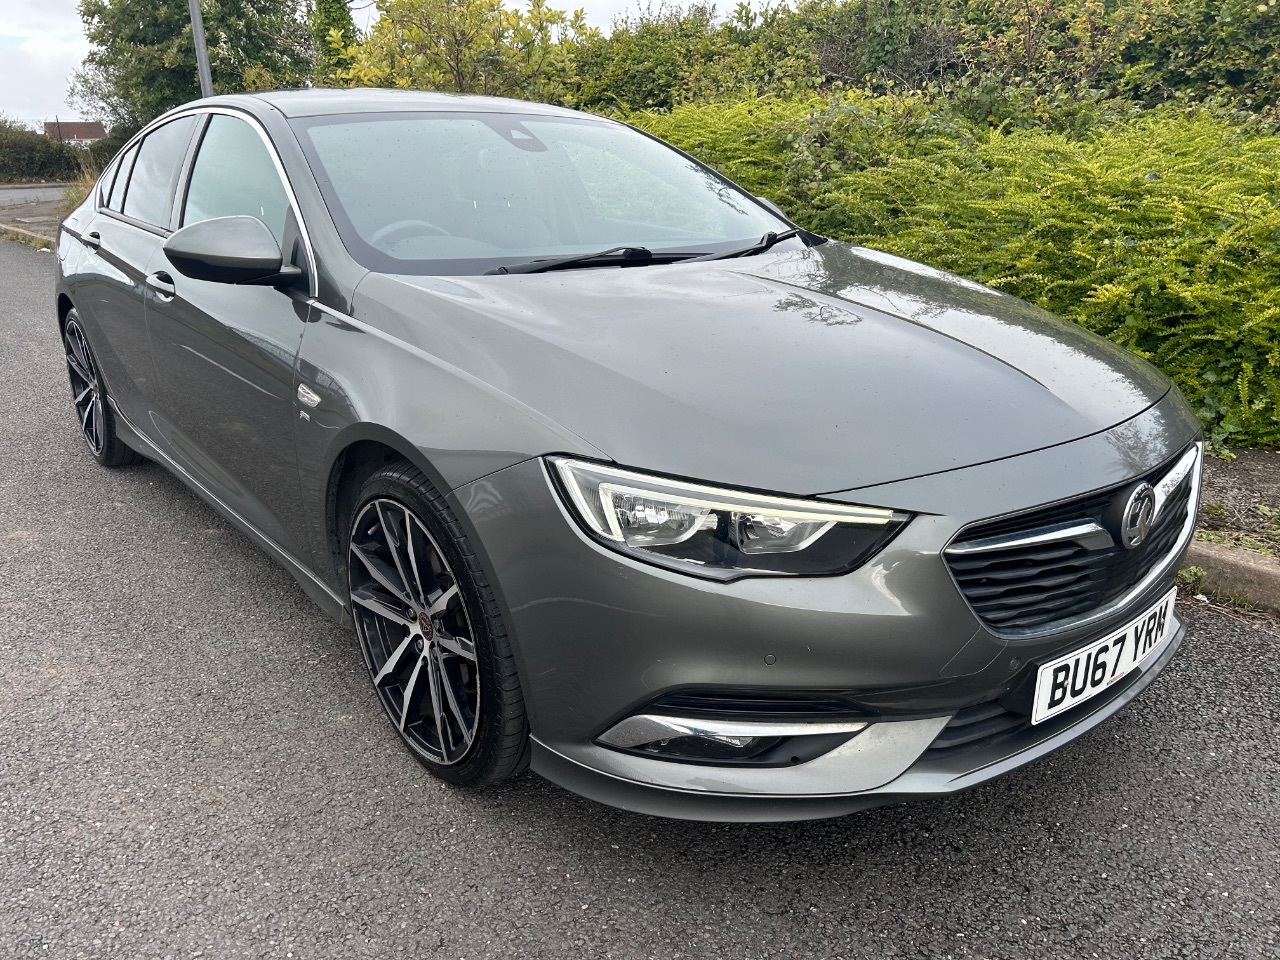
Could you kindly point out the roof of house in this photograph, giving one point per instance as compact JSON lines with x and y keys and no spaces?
{"x":74,"y":130}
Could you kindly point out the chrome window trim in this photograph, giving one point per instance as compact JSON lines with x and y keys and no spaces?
{"x":113,"y":168}
{"x":101,"y":203}
{"x":181,"y":194}
{"x":176,"y":184}
{"x":147,"y":227}
{"x":1190,"y":462}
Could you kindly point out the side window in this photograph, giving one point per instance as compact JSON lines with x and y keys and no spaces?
{"x":104,"y":184}
{"x":234,"y":176}
{"x":116,"y":200}
{"x":155,"y":171}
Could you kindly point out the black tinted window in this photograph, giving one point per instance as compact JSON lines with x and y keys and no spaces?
{"x":234,"y":175}
{"x":104,"y":184}
{"x":156,"y":171}
{"x":122,"y":177}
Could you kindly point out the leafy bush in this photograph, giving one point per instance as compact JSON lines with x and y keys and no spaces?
{"x":27,"y":155}
{"x":1001,"y":61}
{"x":1225,"y":51}
{"x":657,"y":59}
{"x":1161,"y":232}
{"x":102,"y":151}
{"x":469,"y":46}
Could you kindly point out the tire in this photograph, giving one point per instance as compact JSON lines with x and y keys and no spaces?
{"x":463,"y":719}
{"x":89,"y":399}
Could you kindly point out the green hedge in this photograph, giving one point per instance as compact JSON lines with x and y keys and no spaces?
{"x":1025,"y":62}
{"x":1161,"y":232}
{"x":27,"y":155}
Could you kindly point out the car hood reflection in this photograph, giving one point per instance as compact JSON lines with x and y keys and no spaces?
{"x":808,"y":371}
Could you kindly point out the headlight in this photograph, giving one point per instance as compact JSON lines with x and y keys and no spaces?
{"x":719,"y":533}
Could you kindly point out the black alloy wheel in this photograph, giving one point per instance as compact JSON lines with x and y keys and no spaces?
{"x":84,"y":386}
{"x":430,"y":632}
{"x":88,"y":395}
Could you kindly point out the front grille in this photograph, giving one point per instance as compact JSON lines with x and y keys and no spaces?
{"x":984,"y":724}
{"x":769,"y":705}
{"x":1028,"y":587}
{"x":978,"y":726}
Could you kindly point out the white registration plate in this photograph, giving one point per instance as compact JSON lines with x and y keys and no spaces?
{"x":1086,"y":672}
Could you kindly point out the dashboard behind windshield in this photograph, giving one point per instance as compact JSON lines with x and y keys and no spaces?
{"x":461,"y":193}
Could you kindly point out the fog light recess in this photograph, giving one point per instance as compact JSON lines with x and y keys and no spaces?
{"x":727,"y":742}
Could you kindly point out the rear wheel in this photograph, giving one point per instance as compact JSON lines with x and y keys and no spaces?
{"x":89,"y":396}
{"x":431,"y":632}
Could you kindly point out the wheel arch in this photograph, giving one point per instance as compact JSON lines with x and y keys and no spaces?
{"x":65,"y":306}
{"x":358,"y":452}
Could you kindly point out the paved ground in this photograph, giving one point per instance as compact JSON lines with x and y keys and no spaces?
{"x":35,"y":209}
{"x":17,"y":194}
{"x":1241,"y":501}
{"x":192,"y":764}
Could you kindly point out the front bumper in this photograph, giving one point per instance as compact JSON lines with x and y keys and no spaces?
{"x":598,"y":636}
{"x":925,"y":778}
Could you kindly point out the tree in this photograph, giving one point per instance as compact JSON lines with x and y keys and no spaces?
{"x":142,"y":59}
{"x":470,"y":46}
{"x":333,"y":32}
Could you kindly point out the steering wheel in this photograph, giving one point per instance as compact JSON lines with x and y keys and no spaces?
{"x":400,"y":230}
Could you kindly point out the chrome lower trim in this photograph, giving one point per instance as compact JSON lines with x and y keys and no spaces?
{"x":648,"y":727}
{"x":871,"y":759}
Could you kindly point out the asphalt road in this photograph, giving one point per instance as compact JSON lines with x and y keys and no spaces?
{"x":192,"y":764}
{"x":15,"y":195}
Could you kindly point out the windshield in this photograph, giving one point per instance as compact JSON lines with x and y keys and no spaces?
{"x":462,"y":193}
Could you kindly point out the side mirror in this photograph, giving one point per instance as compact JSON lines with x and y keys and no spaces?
{"x":773,"y":206}
{"x":230,"y":250}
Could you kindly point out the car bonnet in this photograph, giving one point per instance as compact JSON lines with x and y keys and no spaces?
{"x":806,"y":372}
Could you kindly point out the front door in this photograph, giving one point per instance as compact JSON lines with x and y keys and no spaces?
{"x":225,"y":353}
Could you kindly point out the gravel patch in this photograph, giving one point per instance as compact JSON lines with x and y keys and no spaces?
{"x":1240,"y":502}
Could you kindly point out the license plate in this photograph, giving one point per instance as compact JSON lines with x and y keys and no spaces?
{"x":1075,"y":677}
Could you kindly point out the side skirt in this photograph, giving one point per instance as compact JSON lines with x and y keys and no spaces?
{"x":316,"y":589}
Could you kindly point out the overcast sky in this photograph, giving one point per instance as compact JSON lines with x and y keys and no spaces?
{"x":42,"y":43}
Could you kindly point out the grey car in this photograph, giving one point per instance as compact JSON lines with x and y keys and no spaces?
{"x":617,"y":473}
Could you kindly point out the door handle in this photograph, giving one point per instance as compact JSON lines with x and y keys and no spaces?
{"x":92,"y":239}
{"x":162,"y":284}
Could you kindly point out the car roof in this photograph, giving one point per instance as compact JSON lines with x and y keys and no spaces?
{"x":317,"y":103}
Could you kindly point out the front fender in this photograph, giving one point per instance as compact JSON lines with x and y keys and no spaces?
{"x":375,"y":387}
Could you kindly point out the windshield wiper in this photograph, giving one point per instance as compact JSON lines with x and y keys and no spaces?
{"x":760,"y":246}
{"x":635,"y":255}
{"x":622,"y":254}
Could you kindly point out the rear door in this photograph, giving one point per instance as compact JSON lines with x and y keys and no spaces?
{"x":225,"y":353}
{"x":131,"y":223}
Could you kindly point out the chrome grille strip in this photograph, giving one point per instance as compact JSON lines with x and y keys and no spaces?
{"x":1169,"y":482}
{"x":1088,"y":534}
{"x":1191,"y":463}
